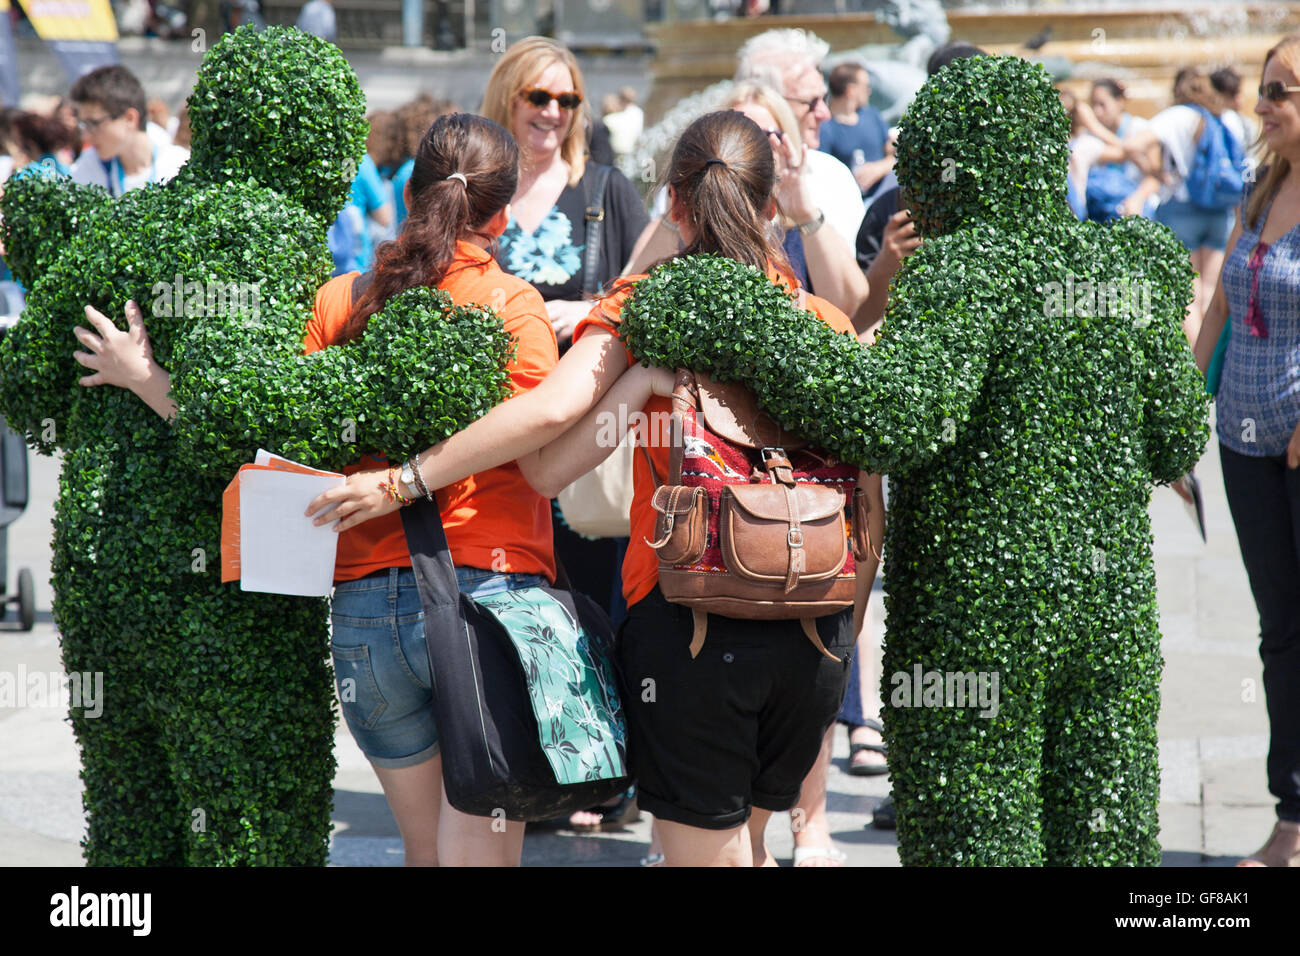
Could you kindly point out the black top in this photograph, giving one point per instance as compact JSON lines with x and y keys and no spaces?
{"x":871,"y":234}
{"x":551,"y":256}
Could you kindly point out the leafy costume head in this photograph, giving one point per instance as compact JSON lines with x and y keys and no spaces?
{"x":985,"y":140}
{"x":214,"y":745}
{"x":1031,"y":382}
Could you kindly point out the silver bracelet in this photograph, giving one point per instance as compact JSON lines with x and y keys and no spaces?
{"x":420,"y":487}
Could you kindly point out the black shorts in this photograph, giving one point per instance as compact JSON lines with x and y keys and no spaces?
{"x":739,"y":726}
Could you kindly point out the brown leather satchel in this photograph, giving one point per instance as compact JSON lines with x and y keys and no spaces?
{"x":752,"y":523}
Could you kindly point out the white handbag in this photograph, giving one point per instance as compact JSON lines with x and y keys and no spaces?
{"x":598,"y":503}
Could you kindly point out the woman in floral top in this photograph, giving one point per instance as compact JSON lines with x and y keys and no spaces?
{"x":545,"y":239}
{"x":536,"y":91}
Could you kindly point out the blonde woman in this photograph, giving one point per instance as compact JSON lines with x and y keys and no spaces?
{"x":536,"y":91}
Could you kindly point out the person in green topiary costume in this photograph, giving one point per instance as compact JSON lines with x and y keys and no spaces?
{"x":1044,"y":384}
{"x":1031,"y":382}
{"x":214,"y":742}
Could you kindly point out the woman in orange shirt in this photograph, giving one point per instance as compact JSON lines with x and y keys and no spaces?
{"x":498,"y":528}
{"x":730,"y":734}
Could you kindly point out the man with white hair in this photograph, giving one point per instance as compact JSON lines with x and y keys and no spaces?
{"x":789,"y":61}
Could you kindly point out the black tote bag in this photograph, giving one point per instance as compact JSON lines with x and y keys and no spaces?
{"x":504,"y":719}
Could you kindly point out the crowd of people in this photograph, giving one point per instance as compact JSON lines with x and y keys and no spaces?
{"x":793,"y":173}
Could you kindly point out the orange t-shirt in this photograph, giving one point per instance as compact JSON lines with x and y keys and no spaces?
{"x":641,"y":564}
{"x":494,"y":520}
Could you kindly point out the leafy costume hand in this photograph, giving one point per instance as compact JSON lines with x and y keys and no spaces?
{"x":215,"y":741}
{"x":1032,"y":381}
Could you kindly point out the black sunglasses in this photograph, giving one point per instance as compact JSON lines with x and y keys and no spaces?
{"x":810,"y":104}
{"x":1276,"y":92}
{"x":541,"y":98}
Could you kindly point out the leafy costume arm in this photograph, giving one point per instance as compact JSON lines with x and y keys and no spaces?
{"x":1175,"y":419}
{"x":919,"y":381}
{"x":882,"y":408}
{"x":42,"y":215}
{"x":422,"y":370}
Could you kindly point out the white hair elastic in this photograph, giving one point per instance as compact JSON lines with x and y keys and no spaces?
{"x":461,"y":177}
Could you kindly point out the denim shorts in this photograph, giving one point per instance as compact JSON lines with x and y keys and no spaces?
{"x":381,"y":668}
{"x":1196,"y":227}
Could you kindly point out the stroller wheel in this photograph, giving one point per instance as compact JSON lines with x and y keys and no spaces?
{"x":26,"y":600}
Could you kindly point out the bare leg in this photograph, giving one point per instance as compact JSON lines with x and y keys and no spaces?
{"x":695,"y":846}
{"x":757,"y":844}
{"x":464,"y":840}
{"x":1207,"y":269}
{"x":808,"y":819}
{"x":655,"y":855}
{"x":1207,"y":262}
{"x":414,"y":794}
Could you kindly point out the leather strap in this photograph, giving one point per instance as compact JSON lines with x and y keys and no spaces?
{"x":780,"y":469}
{"x":670,"y":517}
{"x":794,"y":541}
{"x":654,"y":475}
{"x":701,"y":621}
{"x":595,"y":226}
{"x":809,"y":626}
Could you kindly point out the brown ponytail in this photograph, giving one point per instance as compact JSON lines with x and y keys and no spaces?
{"x":723,"y":171}
{"x":442,"y":210}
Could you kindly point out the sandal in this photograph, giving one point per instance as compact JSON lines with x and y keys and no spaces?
{"x":1282,"y":848}
{"x":867,"y":769}
{"x":803,"y":854}
{"x":614,"y":817}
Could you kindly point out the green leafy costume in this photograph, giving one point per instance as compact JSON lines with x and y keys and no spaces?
{"x":1032,"y":381}
{"x":215,"y":741}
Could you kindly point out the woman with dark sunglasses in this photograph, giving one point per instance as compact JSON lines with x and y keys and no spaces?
{"x":536,"y":91}
{"x":1258,"y":421}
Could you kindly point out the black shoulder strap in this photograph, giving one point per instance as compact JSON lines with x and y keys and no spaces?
{"x":360,"y":284}
{"x":599,"y":176}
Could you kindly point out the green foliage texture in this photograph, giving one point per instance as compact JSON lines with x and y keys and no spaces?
{"x":215,"y":742}
{"x":1023,"y":400}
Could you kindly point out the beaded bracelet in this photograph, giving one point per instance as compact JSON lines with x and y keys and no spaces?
{"x":392,"y":489}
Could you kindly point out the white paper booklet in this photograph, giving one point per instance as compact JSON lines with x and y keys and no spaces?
{"x":267,"y":543}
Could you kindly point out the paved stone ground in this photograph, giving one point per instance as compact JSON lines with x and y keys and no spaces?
{"x":1215,"y":805}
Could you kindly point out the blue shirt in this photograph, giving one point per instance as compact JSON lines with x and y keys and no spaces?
{"x":863,"y":142}
{"x":368,"y":194}
{"x":399,"y":181}
{"x":1259,"y":395}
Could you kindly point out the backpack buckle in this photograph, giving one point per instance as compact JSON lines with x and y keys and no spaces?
{"x":777,"y":464}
